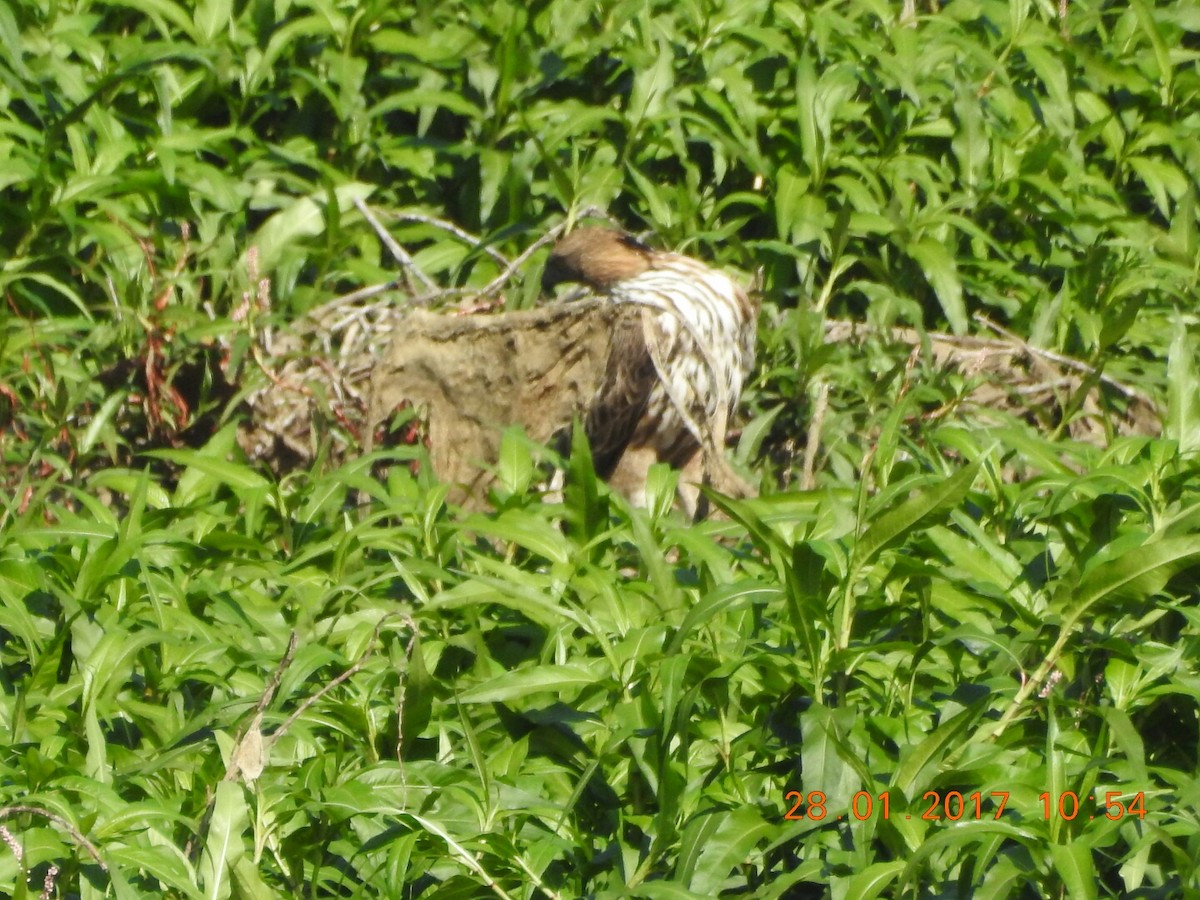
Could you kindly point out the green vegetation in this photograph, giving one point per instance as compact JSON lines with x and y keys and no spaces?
{"x":218,"y":683}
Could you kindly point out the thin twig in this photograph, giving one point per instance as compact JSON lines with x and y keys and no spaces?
{"x":262,"y":751}
{"x":237,"y":755}
{"x":837,"y":330}
{"x":502,"y":279}
{"x":434,"y":293}
{"x":6,"y":811}
{"x":432,"y":298}
{"x":1030,"y":390}
{"x":365,"y":293}
{"x":410,"y":648}
{"x":812,"y":442}
{"x":548,"y":238}
{"x":399,"y":253}
{"x":358,"y":664}
{"x":1066,"y":361}
{"x":460,"y":233}
{"x":264,"y":701}
{"x":426,"y":299}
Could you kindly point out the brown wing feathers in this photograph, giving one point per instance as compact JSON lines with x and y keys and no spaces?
{"x":620,"y":404}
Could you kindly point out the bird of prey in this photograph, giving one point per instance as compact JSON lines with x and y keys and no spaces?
{"x":675,"y":373}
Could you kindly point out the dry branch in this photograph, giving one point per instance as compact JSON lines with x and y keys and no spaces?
{"x":1007,"y":373}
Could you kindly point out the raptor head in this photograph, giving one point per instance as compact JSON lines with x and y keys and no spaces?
{"x":596,"y":257}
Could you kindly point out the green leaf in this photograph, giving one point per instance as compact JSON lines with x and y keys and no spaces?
{"x":526,"y":530}
{"x":302,"y":218}
{"x":417,"y":708}
{"x":897,"y":523}
{"x":586,"y":508}
{"x":919,"y":765}
{"x":558,"y":680}
{"x":211,"y":18}
{"x":823,"y":756}
{"x":870,"y":882}
{"x":1145,"y":17}
{"x":1073,"y":862}
{"x":716,"y":603}
{"x":1182,"y":423}
{"x":790,"y":190}
{"x":1138,"y":573}
{"x":942,"y":271}
{"x":235,"y":475}
{"x":716,"y":844}
{"x":223,"y":847}
{"x":515,"y":469}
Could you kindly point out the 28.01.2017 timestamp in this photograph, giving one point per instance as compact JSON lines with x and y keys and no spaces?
{"x":954,"y":805}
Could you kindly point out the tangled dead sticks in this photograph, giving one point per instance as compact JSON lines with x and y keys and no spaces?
{"x":335,"y":378}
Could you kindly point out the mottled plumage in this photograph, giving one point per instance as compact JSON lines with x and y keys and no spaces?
{"x":676,"y":373}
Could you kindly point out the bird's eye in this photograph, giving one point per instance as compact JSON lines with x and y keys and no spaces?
{"x":635,"y":244}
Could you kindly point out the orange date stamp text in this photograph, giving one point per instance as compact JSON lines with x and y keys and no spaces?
{"x":954,"y":806}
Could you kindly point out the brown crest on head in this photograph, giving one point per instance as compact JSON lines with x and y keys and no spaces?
{"x":597,"y":257}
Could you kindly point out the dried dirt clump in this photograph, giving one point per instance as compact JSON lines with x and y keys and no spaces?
{"x":473,"y":376}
